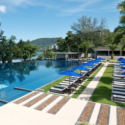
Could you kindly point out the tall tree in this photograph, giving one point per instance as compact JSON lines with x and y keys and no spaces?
{"x":112,"y":47}
{"x":69,"y":40}
{"x":11,"y":42}
{"x":4,"y":50}
{"x":111,"y":43}
{"x":85,"y":45}
{"x":121,"y":7}
{"x":90,"y":29}
{"x":21,"y":46}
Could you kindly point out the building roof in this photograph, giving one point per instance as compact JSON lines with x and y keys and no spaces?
{"x":67,"y":52}
{"x":104,"y":49}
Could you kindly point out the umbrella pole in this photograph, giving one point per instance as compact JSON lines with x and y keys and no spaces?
{"x":69,"y":80}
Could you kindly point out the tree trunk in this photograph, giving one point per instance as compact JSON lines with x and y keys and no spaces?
{"x":10,"y":61}
{"x":22,"y":52}
{"x":112,"y":55}
{"x":86,"y":54}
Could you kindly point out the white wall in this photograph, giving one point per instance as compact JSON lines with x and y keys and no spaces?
{"x":90,"y":55}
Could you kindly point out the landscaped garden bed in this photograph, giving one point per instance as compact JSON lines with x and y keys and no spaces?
{"x":46,"y":103}
{"x":26,"y":97}
{"x":103,"y":116}
{"x":87,"y":112}
{"x":121,"y":116}
{"x":58,"y":106}
{"x":35,"y":100}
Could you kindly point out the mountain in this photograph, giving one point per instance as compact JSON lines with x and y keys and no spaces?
{"x":44,"y":42}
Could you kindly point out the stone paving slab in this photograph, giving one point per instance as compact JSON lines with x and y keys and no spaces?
{"x":94,"y":115}
{"x":113,"y":115}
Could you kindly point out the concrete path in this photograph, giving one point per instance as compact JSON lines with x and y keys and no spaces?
{"x":88,"y":91}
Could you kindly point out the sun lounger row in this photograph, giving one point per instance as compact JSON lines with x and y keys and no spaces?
{"x":71,"y":83}
{"x":118,"y":91}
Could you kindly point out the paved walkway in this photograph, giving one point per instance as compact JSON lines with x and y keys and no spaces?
{"x":72,"y":111}
{"x":88,"y":91}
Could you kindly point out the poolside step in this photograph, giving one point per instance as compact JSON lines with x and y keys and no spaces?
{"x":3,"y":101}
{"x":23,"y":89}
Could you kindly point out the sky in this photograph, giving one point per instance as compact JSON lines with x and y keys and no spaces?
{"x":32,"y":19}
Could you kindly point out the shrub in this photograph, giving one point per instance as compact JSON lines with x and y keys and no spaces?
{"x":104,"y":61}
{"x":41,"y":56}
{"x":113,"y":61}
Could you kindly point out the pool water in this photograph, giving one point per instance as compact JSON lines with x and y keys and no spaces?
{"x":29,"y":75}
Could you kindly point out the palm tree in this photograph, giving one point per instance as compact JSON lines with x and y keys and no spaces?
{"x":112,"y":47}
{"x":85,"y":46}
{"x":121,"y":6}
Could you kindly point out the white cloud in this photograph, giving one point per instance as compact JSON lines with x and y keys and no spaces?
{"x":80,"y":8}
{"x":17,"y":2}
{"x":3,"y":9}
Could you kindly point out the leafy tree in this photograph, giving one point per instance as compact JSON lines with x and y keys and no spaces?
{"x":21,"y":46}
{"x":4,"y":50}
{"x":120,"y":29}
{"x":16,"y":52}
{"x":61,"y":44}
{"x":121,"y":7}
{"x":41,"y":56}
{"x":29,"y":50}
{"x":69,"y":40}
{"x":1,"y":32}
{"x":11,"y":42}
{"x":48,"y":53}
{"x":89,"y":29}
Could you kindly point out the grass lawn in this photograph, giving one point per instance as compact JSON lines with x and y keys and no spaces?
{"x":102,"y":93}
{"x":79,"y":91}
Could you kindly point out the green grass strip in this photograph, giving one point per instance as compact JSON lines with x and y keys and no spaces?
{"x":79,"y":91}
{"x":47,"y":87}
{"x":102,"y":93}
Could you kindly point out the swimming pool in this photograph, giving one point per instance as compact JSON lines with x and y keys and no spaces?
{"x":29,"y":75}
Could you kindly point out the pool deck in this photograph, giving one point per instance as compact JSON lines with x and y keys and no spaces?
{"x":69,"y":113}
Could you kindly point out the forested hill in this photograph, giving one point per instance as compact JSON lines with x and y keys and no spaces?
{"x":44,"y":42}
